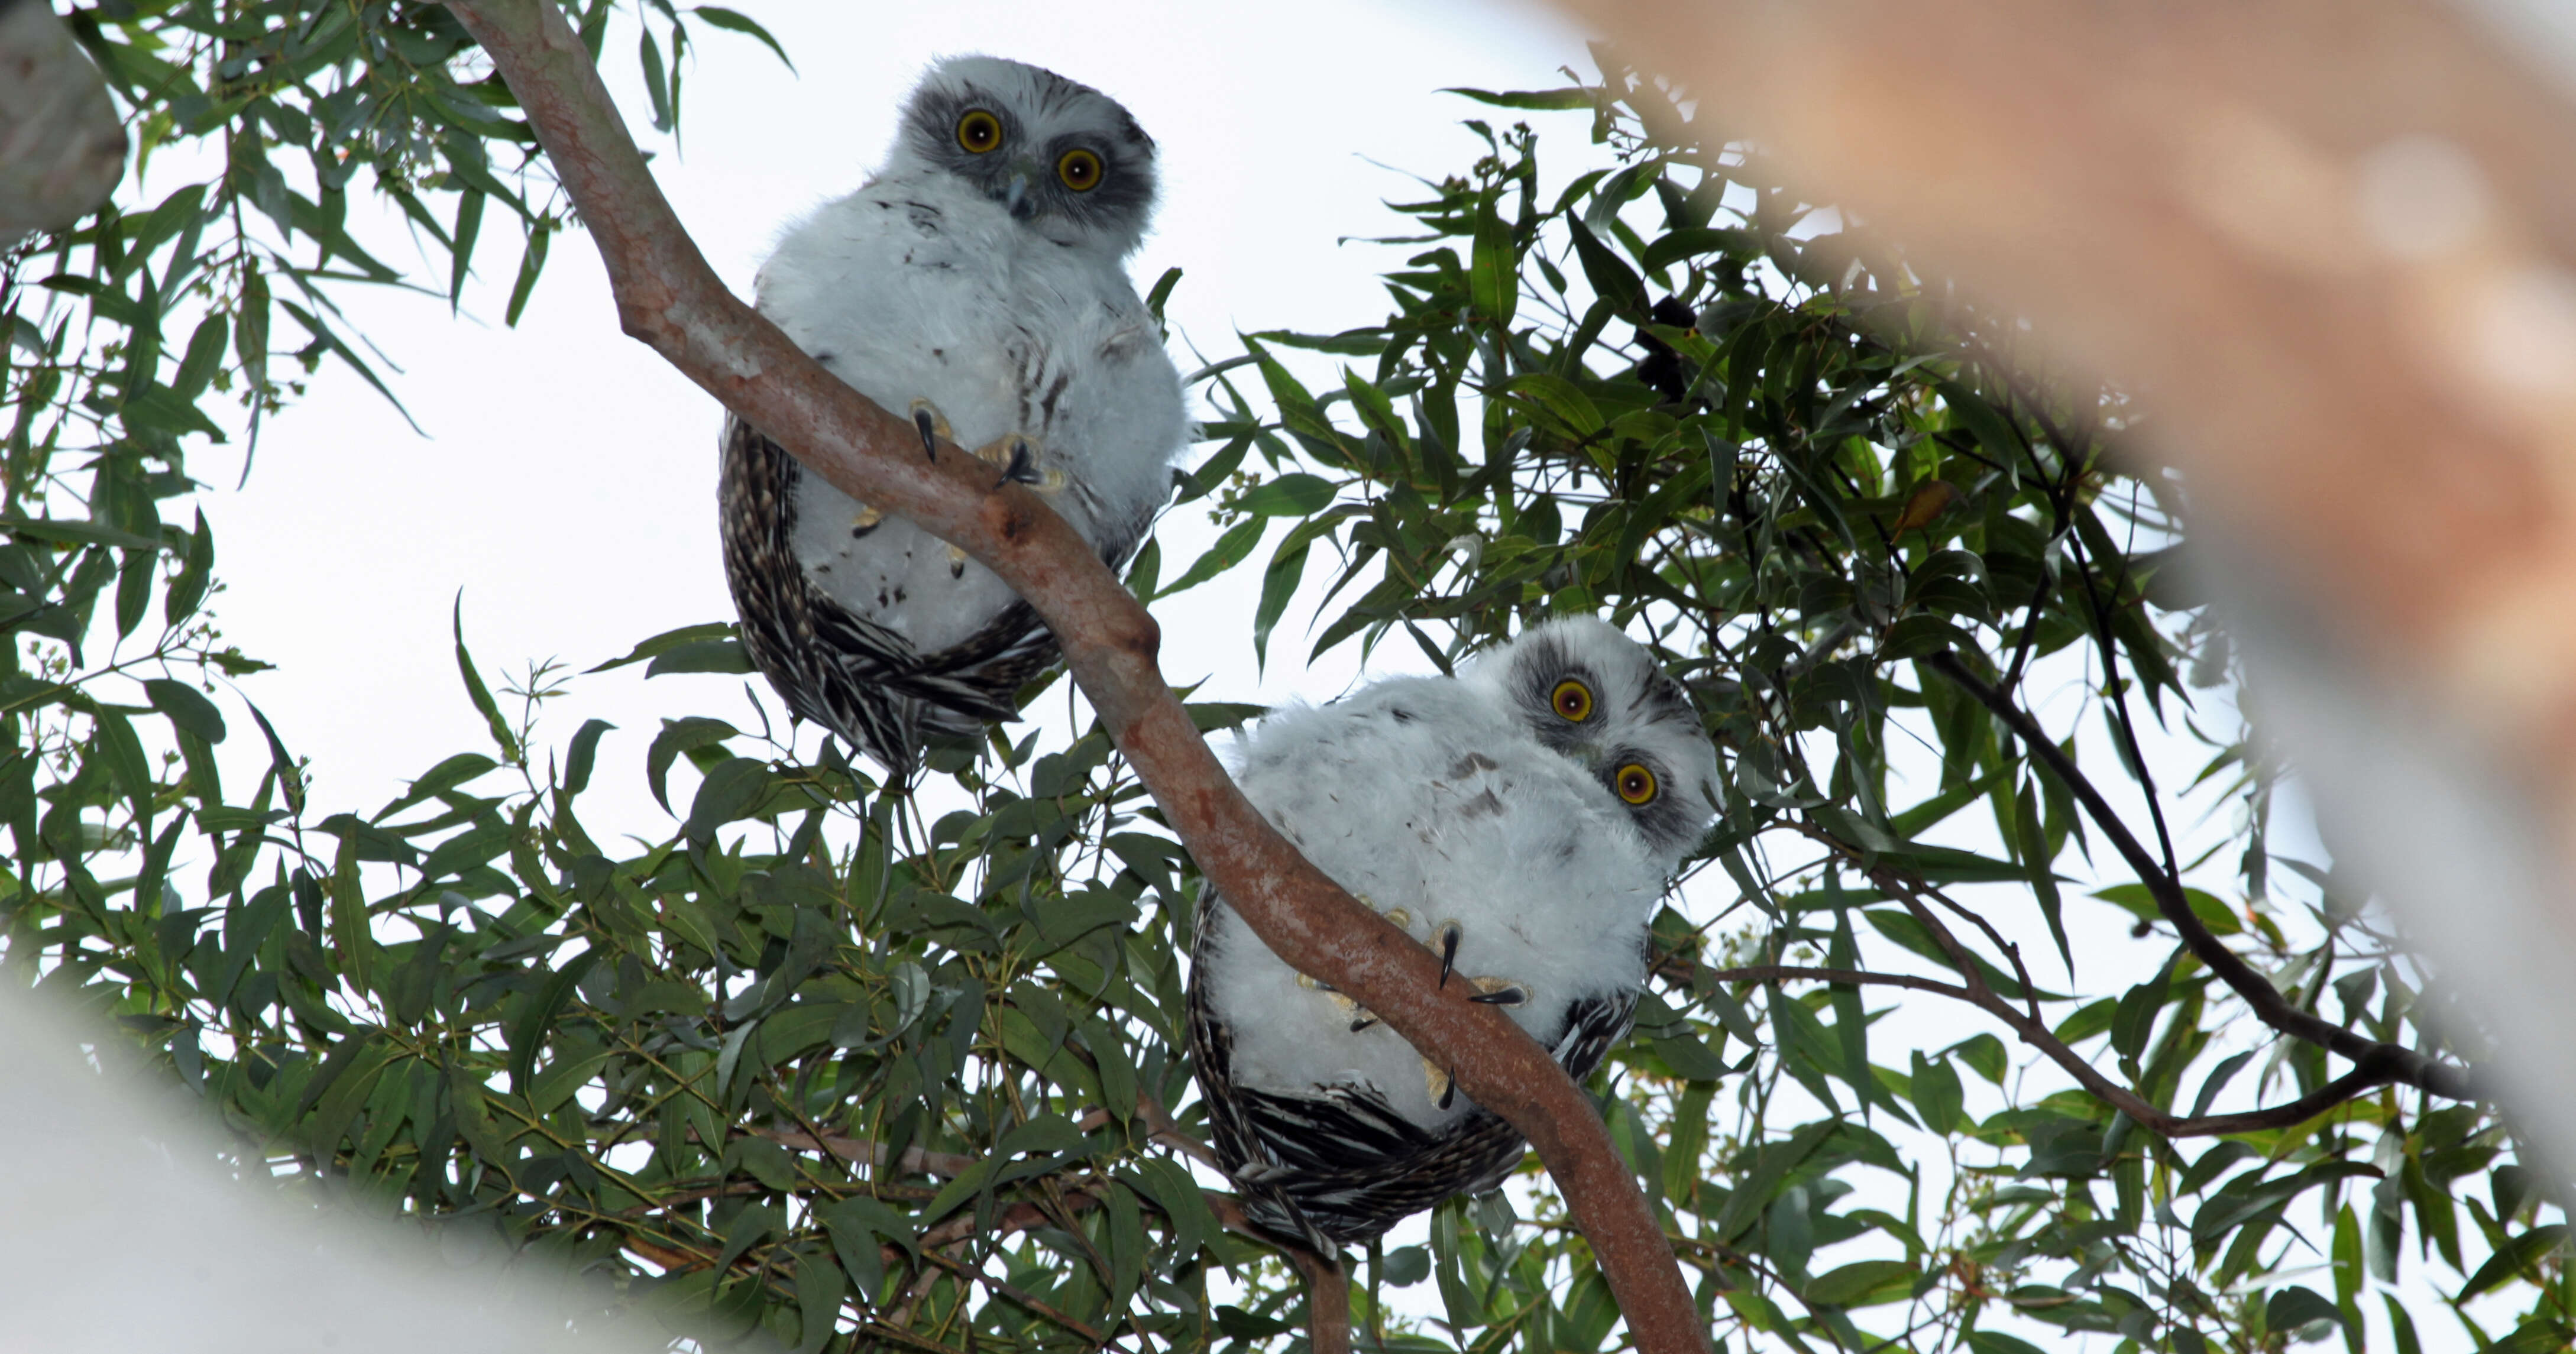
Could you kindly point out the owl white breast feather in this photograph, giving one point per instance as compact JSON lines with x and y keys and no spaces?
{"x":977,"y":282}
{"x":1436,"y":800}
{"x":919,"y":287}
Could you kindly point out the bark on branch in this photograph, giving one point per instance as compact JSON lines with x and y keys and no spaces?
{"x":670,"y":300}
{"x":2387,"y":1061}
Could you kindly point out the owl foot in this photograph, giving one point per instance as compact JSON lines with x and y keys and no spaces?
{"x":1442,"y":1086}
{"x":1017,"y":455}
{"x":1445,"y":937}
{"x":933,"y":425}
{"x":1360,"y":1016}
{"x":865,"y":521}
{"x":956,"y":562}
{"x":1444,"y":940}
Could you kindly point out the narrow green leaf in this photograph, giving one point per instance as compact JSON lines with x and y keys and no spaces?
{"x":479,"y":693}
{"x":819,"y":1288}
{"x":532,"y":261}
{"x":1230,"y":549}
{"x":656,"y":84}
{"x":1938,"y":1095}
{"x":738,"y":23}
{"x":1161,"y":293}
{"x":1551,"y":99}
{"x":724,"y":655}
{"x":1297,"y":495}
{"x":1493,"y":274}
{"x":528,"y":1032}
{"x":678,"y":736}
{"x":2511,"y":1259}
{"x":188,"y":590}
{"x":186,"y":707}
{"x":1279,"y":583}
{"x":469,"y":228}
{"x":290,"y":779}
{"x":583,"y":753}
{"x":669,"y":640}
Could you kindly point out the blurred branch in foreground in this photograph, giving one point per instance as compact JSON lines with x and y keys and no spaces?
{"x":61,"y":147}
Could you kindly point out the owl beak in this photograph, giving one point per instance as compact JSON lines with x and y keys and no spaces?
{"x":1015,"y":196}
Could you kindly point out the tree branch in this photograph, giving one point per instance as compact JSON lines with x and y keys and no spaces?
{"x":2267,"y":1003}
{"x":2035,"y":1033}
{"x":670,"y":300}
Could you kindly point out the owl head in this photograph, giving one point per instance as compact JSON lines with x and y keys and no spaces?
{"x":1598,"y":697}
{"x":1063,"y":158}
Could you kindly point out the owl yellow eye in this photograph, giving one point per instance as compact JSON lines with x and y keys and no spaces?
{"x":1572,"y":699}
{"x":1636,"y":784}
{"x":979,"y":131}
{"x":1080,"y":170}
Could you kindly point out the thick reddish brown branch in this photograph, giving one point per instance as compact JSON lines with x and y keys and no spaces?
{"x":669,"y":299}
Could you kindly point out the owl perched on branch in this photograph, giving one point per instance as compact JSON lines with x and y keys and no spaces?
{"x":1522,"y":820}
{"x":977,"y":283}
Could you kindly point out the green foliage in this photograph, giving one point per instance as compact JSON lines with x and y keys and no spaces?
{"x":856,"y":1066}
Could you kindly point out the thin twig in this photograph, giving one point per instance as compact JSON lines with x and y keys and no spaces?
{"x":2400,"y":1064}
{"x":2039,"y":1036}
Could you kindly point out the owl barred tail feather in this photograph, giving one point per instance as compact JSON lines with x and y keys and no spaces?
{"x":863,"y":681}
{"x":1340,"y":1166}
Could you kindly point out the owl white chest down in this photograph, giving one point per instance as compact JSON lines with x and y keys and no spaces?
{"x":919,"y":287}
{"x":1417,"y":801}
{"x":1521,"y":820}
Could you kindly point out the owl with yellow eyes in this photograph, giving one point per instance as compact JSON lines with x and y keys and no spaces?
{"x":978,"y":284}
{"x":1522,"y":820}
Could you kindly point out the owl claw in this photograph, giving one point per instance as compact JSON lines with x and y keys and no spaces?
{"x":933,"y":426}
{"x":1360,"y":1016}
{"x":865,"y":521}
{"x":1446,"y":937}
{"x":1443,"y":1087}
{"x":956,"y":562}
{"x":1017,"y":454}
{"x":1498,"y":992}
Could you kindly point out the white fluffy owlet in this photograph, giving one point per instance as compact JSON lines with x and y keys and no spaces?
{"x":1522,"y":820}
{"x":977,"y":283}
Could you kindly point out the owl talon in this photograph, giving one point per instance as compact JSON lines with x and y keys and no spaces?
{"x":865,"y":521}
{"x":1498,"y":992}
{"x":1445,"y":938}
{"x":933,"y":425}
{"x":1017,"y":454}
{"x":1442,"y":1086}
{"x":1360,"y":1016}
{"x":956,"y":562}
